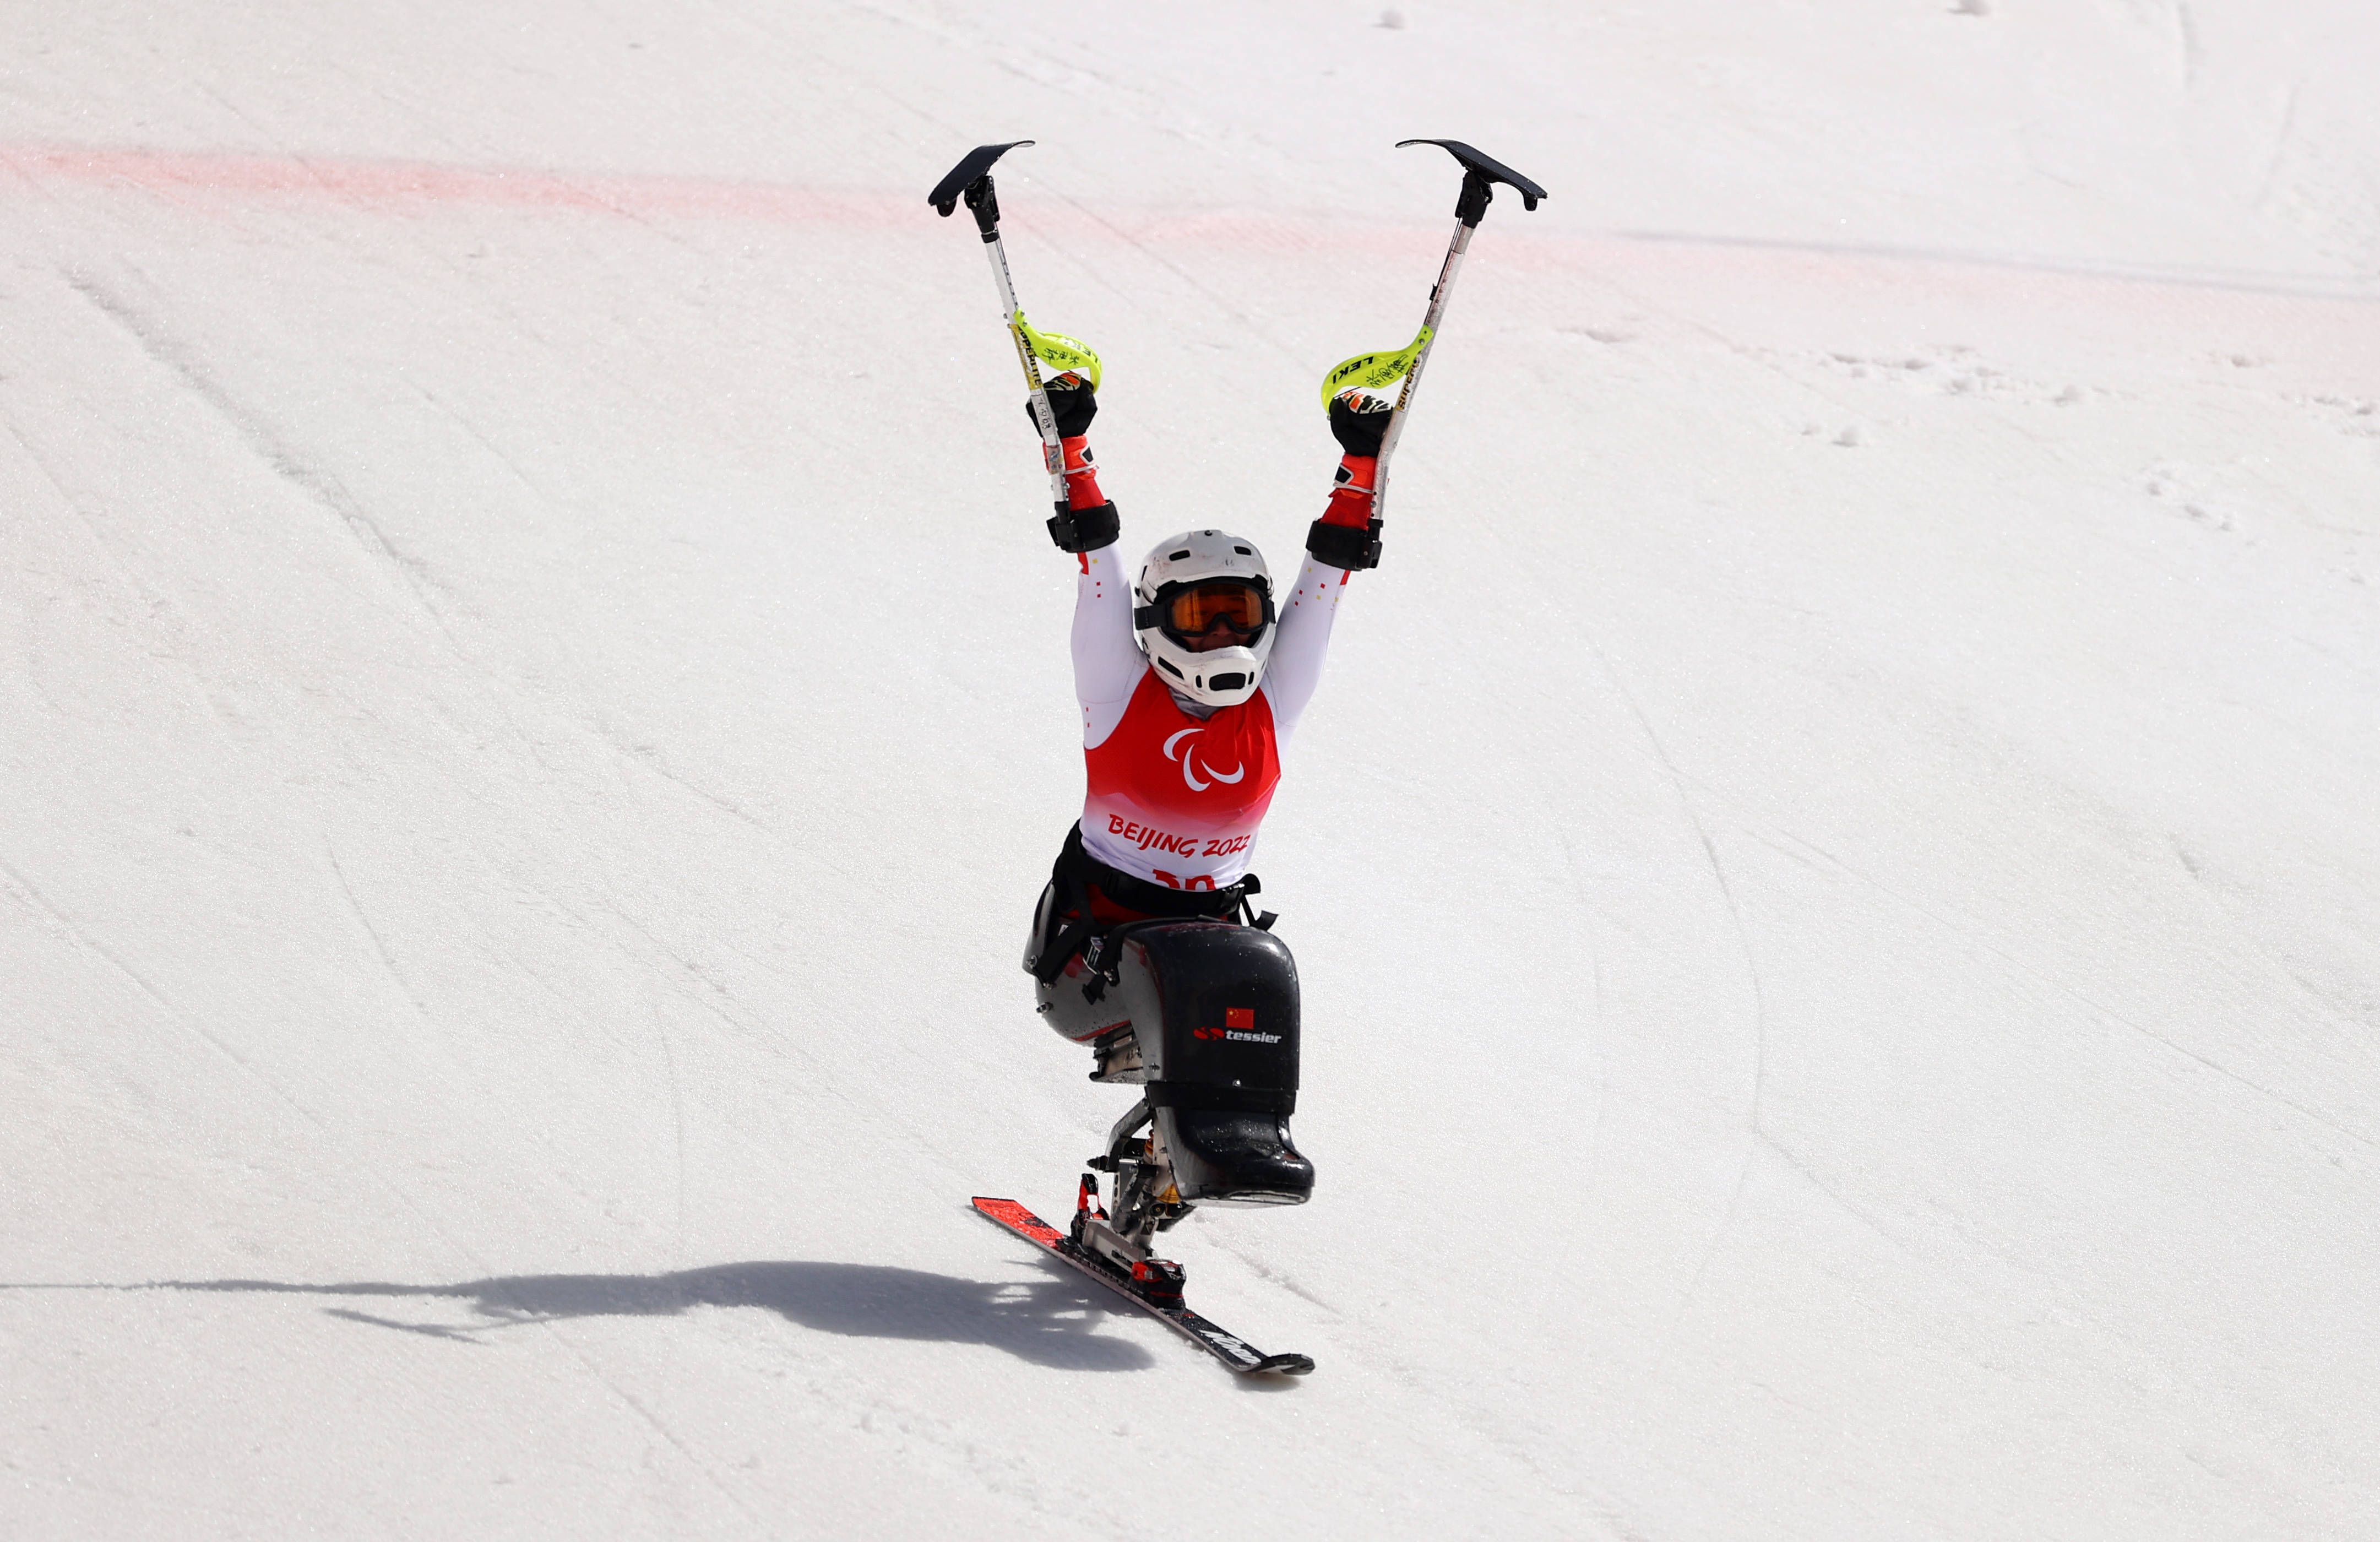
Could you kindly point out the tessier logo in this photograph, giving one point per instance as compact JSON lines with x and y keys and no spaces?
{"x":1190,"y":768}
{"x":1239,"y":1025}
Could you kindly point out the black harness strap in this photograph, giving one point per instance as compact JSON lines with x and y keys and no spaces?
{"x":1074,"y":874}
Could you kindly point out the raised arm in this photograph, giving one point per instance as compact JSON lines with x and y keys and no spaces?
{"x":1346,"y":539}
{"x":1108,"y":664}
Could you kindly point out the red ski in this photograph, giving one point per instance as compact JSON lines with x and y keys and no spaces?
{"x":1233,"y":1352}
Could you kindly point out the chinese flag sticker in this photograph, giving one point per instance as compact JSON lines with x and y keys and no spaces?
{"x":1239,"y":1017}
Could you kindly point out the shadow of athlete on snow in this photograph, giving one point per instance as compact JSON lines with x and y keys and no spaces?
{"x":1049,"y":1322}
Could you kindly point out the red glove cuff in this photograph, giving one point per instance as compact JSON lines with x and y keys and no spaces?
{"x":1351,"y":501}
{"x":1082,"y":476}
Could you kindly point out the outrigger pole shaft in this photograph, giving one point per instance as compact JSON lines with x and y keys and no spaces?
{"x":971,"y":180}
{"x":1479,"y":173}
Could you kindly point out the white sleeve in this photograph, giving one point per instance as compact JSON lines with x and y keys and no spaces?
{"x":1305,"y":619}
{"x":1107,"y":663}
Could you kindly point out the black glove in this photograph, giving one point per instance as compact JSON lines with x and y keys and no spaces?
{"x":1071,"y":402}
{"x":1358,"y":421}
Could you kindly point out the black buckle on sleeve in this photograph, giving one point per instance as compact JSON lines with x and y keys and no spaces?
{"x":1084,"y":529}
{"x":1344,"y":546}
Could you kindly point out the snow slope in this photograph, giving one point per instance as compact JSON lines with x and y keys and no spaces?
{"x":1836,"y":868}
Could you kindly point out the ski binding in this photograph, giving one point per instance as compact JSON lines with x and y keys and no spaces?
{"x":1155,"y":1286}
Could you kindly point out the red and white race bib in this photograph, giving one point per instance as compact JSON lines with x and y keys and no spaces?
{"x":1175,"y":800}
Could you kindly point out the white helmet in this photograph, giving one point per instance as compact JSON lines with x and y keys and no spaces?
{"x":1204,"y":588}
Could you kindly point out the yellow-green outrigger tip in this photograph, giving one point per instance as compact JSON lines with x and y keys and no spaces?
{"x":1060,"y":351}
{"x":1372,"y":371}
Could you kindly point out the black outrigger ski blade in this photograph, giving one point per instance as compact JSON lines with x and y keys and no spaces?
{"x":1011,"y":1216}
{"x":1478,"y":172}
{"x":971,"y":180}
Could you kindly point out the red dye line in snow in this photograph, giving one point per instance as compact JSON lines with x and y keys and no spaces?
{"x":196,"y":176}
{"x":372,"y":183}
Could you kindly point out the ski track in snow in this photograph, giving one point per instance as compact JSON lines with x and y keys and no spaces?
{"x":322,"y":486}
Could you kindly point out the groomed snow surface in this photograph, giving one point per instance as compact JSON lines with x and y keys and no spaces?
{"x":1835,"y":867}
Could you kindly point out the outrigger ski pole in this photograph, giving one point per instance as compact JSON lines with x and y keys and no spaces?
{"x":971,"y":180}
{"x":1375,"y":371}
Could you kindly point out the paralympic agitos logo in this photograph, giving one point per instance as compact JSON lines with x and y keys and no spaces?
{"x":1190,"y":767}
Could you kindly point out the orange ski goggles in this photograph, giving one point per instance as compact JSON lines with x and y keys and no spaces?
{"x":1192,"y":609}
